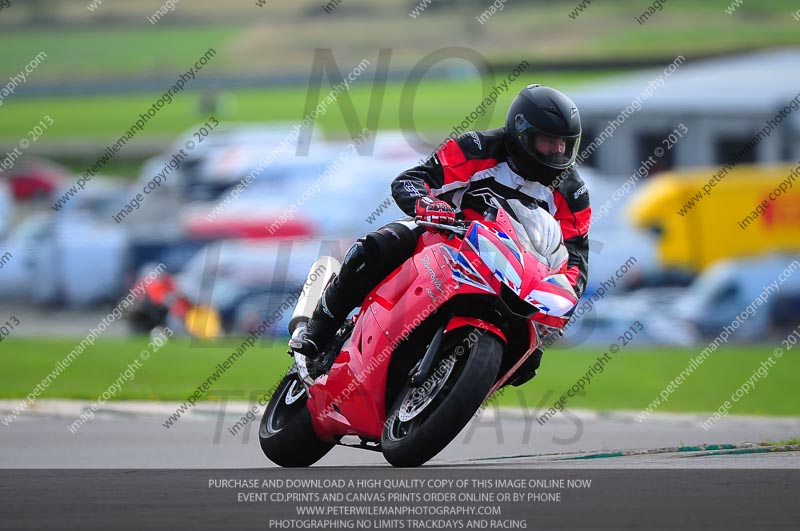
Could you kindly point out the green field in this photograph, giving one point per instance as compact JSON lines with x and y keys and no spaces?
{"x":438,"y":106}
{"x":631,"y":380}
{"x":117,"y":39}
{"x":110,"y":52}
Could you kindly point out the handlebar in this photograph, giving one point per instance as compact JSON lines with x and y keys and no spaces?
{"x":459,"y":227}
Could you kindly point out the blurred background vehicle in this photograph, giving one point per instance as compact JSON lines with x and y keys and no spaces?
{"x":63,"y":260}
{"x":34,"y":179}
{"x":728,"y":287}
{"x":610,"y":318}
{"x":726,"y":224}
{"x":232,"y":152}
{"x":242,"y":280}
{"x":6,"y":209}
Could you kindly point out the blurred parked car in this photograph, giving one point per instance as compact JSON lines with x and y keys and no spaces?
{"x":230,"y":153}
{"x":100,"y":200}
{"x":6,"y":209}
{"x":69,"y":260}
{"x":325,"y":209}
{"x":238,"y":279}
{"x":727,"y":288}
{"x":639,"y":318}
{"x":32,"y":178}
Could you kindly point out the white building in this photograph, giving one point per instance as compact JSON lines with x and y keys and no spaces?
{"x":723,"y":103}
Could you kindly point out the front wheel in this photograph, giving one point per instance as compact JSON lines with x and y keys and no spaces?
{"x":423,"y":420}
{"x":286,"y":434}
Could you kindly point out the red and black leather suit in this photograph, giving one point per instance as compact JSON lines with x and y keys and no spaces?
{"x":467,"y":171}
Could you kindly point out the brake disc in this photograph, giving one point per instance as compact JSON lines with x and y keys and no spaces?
{"x":420,"y":397}
{"x":294,"y":393}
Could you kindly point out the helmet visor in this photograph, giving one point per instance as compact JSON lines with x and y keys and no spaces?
{"x":557,"y":152}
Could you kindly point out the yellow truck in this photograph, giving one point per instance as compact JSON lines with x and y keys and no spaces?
{"x":703,"y":215}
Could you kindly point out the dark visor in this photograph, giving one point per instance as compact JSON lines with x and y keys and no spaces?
{"x":557,"y":152}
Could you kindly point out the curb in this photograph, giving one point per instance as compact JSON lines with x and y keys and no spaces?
{"x":122,"y":408}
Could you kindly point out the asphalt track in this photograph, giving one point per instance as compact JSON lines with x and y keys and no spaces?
{"x":133,"y":436}
{"x":125,"y":470}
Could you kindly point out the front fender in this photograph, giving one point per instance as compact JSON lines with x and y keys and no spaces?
{"x":458,"y":321}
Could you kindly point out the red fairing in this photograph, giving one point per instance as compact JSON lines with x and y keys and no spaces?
{"x":460,"y":322}
{"x":351,"y":398}
{"x":355,"y":385}
{"x":357,"y":381}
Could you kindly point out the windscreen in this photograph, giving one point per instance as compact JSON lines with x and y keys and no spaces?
{"x":539,"y":233}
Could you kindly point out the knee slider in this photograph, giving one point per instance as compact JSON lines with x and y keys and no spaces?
{"x":356,"y":258}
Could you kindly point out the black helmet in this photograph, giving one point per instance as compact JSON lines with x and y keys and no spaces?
{"x":543,"y":133}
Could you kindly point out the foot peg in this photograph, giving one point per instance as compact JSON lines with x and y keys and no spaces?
{"x":310,"y":362}
{"x":302,"y":344}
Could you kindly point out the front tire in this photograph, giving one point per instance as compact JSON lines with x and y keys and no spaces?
{"x":418,"y":427}
{"x":286,"y":432}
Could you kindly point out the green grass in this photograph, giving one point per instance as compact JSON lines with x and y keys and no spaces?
{"x":438,"y":106}
{"x":118,"y":41}
{"x":110,"y":52}
{"x":171,"y":373}
{"x":630,"y":381}
{"x":633,"y":378}
{"x":785,"y":442}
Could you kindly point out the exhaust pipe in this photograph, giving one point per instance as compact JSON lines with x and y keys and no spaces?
{"x":322,"y":271}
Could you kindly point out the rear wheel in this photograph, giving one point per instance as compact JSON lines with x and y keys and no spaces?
{"x":286,"y":434}
{"x":424,"y":420}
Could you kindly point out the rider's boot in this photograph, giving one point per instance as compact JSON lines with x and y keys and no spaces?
{"x":341,"y":295}
{"x":310,"y":339}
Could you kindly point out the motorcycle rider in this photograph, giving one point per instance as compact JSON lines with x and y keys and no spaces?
{"x":530,"y":159}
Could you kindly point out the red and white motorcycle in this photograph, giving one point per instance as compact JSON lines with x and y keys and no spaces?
{"x":430,"y":343}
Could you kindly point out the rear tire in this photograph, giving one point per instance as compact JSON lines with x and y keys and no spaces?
{"x":413,"y":442}
{"x":286,"y":432}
